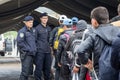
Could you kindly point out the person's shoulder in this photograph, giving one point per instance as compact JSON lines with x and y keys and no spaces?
{"x":56,"y":28}
{"x":116,"y":18}
{"x":93,"y":35}
{"x":22,"y":30}
{"x":38,"y":26}
{"x":48,"y":27}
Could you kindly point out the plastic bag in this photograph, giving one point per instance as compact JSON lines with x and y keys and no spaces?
{"x":75,"y":76}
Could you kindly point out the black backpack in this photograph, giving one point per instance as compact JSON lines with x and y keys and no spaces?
{"x":74,"y":41}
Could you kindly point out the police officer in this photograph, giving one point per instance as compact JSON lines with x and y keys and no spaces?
{"x":43,"y":57}
{"x":27,"y":46}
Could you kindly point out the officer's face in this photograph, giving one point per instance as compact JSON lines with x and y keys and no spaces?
{"x":44,"y":19}
{"x":29,"y":24}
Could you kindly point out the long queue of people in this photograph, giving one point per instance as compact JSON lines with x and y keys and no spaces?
{"x":82,"y":51}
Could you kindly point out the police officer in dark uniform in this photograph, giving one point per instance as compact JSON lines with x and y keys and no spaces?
{"x":27,"y":46}
{"x":43,"y":57}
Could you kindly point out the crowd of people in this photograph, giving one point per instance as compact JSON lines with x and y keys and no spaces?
{"x":82,"y":51}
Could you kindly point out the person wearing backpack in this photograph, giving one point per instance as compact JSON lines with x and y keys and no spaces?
{"x":103,"y":35}
{"x":55,"y":30}
{"x":82,"y":32}
{"x":75,"y":21}
{"x":54,"y":40}
{"x":61,"y":52}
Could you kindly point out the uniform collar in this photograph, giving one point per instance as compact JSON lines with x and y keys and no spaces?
{"x":27,"y":28}
{"x":43,"y":26}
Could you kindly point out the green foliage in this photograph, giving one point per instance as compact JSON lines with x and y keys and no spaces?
{"x":10,"y":34}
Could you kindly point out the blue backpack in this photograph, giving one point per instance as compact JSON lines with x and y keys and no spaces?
{"x":106,"y":71}
{"x":115,"y":57}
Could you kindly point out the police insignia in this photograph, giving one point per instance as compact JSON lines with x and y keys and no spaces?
{"x":21,"y":35}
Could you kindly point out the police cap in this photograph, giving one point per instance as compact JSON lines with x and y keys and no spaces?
{"x":43,"y":14}
{"x":28,"y":18}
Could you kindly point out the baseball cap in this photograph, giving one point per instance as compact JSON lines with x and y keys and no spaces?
{"x":67,"y":22}
{"x":62,"y":17}
{"x":75,"y":19}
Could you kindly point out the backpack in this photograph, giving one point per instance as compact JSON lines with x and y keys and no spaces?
{"x":56,"y":41}
{"x":73,"y":42}
{"x":106,"y":71}
{"x":115,"y":56}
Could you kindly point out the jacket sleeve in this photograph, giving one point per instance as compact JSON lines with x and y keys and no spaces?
{"x":84,"y":47}
{"x":22,"y":45}
{"x":52,"y":36}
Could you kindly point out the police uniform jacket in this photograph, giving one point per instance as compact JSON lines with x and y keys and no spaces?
{"x":26,"y":40}
{"x":42,"y":36}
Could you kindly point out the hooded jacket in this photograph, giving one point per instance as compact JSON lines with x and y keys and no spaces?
{"x":96,"y":42}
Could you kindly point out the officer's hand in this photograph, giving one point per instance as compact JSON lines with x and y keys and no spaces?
{"x":75,"y":69}
{"x":89,"y":65}
{"x":59,"y":65}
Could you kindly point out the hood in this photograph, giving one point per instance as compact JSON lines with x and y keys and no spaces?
{"x":107,"y":32}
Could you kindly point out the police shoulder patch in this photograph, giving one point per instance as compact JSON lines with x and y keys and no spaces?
{"x":21,"y":35}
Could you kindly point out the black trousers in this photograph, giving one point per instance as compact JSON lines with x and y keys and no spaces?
{"x":65,"y":73}
{"x":26,"y":64}
{"x":43,"y":66}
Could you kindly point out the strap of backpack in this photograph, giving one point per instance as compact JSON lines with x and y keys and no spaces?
{"x":67,"y":36}
{"x":58,"y":34}
{"x":69,"y":40}
{"x":93,"y":67}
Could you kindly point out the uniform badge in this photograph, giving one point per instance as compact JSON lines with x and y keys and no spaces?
{"x":21,"y":35}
